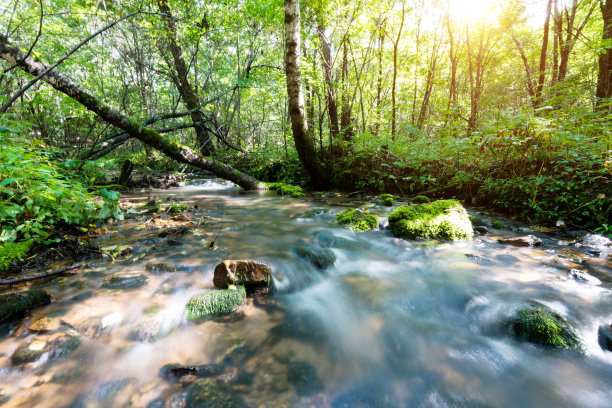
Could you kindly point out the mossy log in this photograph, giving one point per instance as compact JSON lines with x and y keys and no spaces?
{"x":172,"y":149}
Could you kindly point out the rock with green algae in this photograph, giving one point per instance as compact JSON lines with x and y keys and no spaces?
{"x":386,"y":199}
{"x":215,"y":302}
{"x":543,"y":326}
{"x":56,"y":345}
{"x":208,"y":393}
{"x":421,"y":199}
{"x":15,"y":305}
{"x":13,"y":251}
{"x":287,"y":189}
{"x":357,"y":220}
{"x":127,"y":280}
{"x":442,"y":219}
{"x":321,"y":258}
{"x":176,"y":208}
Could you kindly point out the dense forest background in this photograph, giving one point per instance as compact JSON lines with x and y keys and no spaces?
{"x":503,"y":104}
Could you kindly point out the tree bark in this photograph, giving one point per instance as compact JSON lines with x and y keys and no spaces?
{"x":381,"y":50}
{"x":604,"y":78}
{"x":395,"y":51}
{"x":332,"y":106}
{"x":543,"y":53}
{"x":184,"y":87}
{"x":148,"y":136}
{"x":303,"y":142}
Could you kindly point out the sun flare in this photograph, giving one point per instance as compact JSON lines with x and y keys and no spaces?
{"x":472,"y":11}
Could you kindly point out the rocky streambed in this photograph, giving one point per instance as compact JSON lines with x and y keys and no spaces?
{"x":345,"y":318}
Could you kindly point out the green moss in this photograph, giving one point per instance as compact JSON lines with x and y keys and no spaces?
{"x":151,"y":206}
{"x":176,"y":208}
{"x":477,"y":221}
{"x":208,"y":393}
{"x":442,"y":219}
{"x":543,"y":326}
{"x":215,"y":302}
{"x":357,"y":220}
{"x":386,"y":199}
{"x":497,"y":224}
{"x":16,"y":305}
{"x":13,"y":251}
{"x":287,"y":189}
{"x":421,"y":199}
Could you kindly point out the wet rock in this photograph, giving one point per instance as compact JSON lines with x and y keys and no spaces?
{"x":442,"y":219}
{"x":481,"y":260}
{"x":595,"y":242}
{"x":604,"y":335}
{"x":157,"y":403}
{"x":328,"y":240}
{"x":174,"y":242}
{"x":366,"y":396}
{"x":540,"y":325}
{"x":584,"y":277}
{"x":173,"y":232}
{"x":481,"y":230}
{"x":215,"y":302}
{"x":497,"y":224}
{"x":56,"y":345}
{"x":207,"y":393}
{"x":44,"y":324}
{"x":320,"y":257}
{"x":149,"y":330}
{"x":152,"y":206}
{"x":357,"y":220}
{"x":304,"y":378}
{"x":385,"y":199}
{"x":14,"y":306}
{"x":180,"y":218}
{"x":173,"y":372}
{"x":160,"y":268}
{"x":126,"y":280}
{"x":524,"y":241}
{"x":102,"y":395}
{"x":247,"y":273}
{"x":67,"y":375}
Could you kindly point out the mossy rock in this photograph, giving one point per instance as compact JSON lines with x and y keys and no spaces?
{"x":421,"y":199}
{"x":208,"y":393}
{"x":497,"y":224}
{"x":13,"y":251}
{"x":320,"y":257}
{"x":215,"y":302}
{"x":287,"y":189}
{"x":386,"y":199}
{"x":327,"y":240}
{"x":477,"y":221}
{"x":541,"y":325}
{"x":357,"y":220}
{"x":122,"y":281}
{"x":56,"y":345}
{"x":15,"y":305}
{"x":442,"y":219}
{"x":176,"y":208}
{"x":152,"y":206}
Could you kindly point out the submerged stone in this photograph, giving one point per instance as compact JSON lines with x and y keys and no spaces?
{"x":442,"y":219}
{"x":357,"y":220}
{"x":207,"y":393}
{"x":174,"y":372}
{"x":540,"y":325}
{"x":524,"y":241}
{"x":15,"y":305}
{"x":160,"y":268}
{"x":594,"y":241}
{"x":252,"y":275}
{"x":321,"y":258}
{"x":326,"y":240}
{"x":56,"y":345}
{"x":584,"y":277}
{"x":215,"y":302}
{"x":303,"y":376}
{"x":122,"y":281}
{"x":604,"y":335}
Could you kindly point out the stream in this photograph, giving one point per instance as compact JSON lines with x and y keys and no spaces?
{"x":394,"y":323}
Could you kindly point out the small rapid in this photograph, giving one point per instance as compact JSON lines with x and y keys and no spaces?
{"x":393,"y":323}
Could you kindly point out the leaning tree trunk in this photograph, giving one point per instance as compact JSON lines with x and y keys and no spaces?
{"x":604,"y":78}
{"x":303,"y":142}
{"x":148,"y":136}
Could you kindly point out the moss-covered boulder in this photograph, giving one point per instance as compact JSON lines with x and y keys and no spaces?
{"x":215,"y":302}
{"x":421,"y":199}
{"x":208,"y":393}
{"x":56,"y":345}
{"x":13,"y":251}
{"x":540,"y":325}
{"x":442,"y":219}
{"x":176,"y":208}
{"x":357,"y":220}
{"x":15,"y":305}
{"x":321,"y":258}
{"x":385,"y":199}
{"x":253,"y":275}
{"x":287,"y":189}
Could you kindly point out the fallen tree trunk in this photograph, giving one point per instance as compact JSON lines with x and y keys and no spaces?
{"x":135,"y":129}
{"x":40,"y":275}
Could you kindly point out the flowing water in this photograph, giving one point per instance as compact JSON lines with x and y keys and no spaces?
{"x":393,"y":323}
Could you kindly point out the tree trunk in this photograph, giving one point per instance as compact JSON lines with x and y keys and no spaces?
{"x":429,"y":83}
{"x":381,"y":51}
{"x":604,"y":78}
{"x":395,"y":50}
{"x":543,"y":53}
{"x":332,"y":106}
{"x":303,"y":142}
{"x":345,"y":116}
{"x":184,"y":87}
{"x":148,"y":136}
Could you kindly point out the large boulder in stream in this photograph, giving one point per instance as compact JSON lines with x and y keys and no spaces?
{"x":208,"y":393}
{"x":15,"y":305}
{"x":540,"y":325}
{"x":215,"y":302}
{"x":321,"y":258}
{"x":604,"y":336}
{"x":252,"y":275}
{"x":442,"y":219}
{"x":357,"y":220}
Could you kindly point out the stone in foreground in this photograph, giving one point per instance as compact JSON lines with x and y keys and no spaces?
{"x":540,"y":325}
{"x":15,"y":305}
{"x":442,"y":219}
{"x":252,"y":275}
{"x":215,"y":302}
{"x":524,"y":241}
{"x":208,"y":393}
